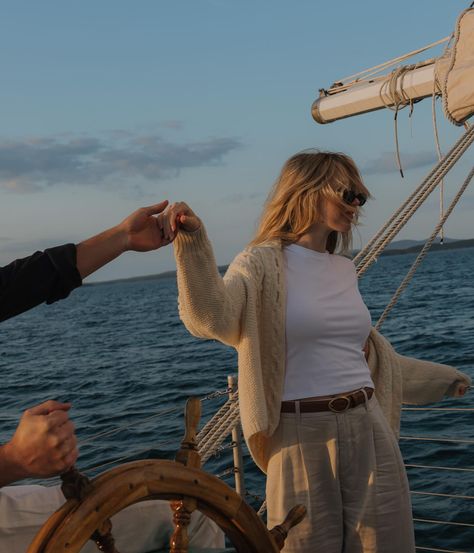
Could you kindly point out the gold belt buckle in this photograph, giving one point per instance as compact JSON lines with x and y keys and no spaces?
{"x":347,"y":406}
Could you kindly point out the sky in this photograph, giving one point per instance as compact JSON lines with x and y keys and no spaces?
{"x":113,"y":105}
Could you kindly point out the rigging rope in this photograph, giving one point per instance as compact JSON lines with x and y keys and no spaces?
{"x":370,"y":72}
{"x":437,"y":467}
{"x":450,"y":495}
{"x":218,"y":431}
{"x":117,"y":429}
{"x":167,"y":411}
{"x":393,"y":97}
{"x":424,"y":251}
{"x":438,"y":151}
{"x":419,"y":548}
{"x":133,"y":453}
{"x":429,"y":521}
{"x":462,"y":409}
{"x":398,"y":220}
{"x":434,"y":439}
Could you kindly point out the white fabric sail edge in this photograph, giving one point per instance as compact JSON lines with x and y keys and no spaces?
{"x":451,"y":75}
{"x":455,"y":71}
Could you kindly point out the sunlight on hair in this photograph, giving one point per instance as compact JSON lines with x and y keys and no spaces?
{"x":296,"y":199}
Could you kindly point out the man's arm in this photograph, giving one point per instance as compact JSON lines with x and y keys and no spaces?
{"x":51,"y":275}
{"x":139,"y":232}
{"x":44,"y":444}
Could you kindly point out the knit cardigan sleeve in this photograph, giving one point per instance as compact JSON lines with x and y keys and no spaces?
{"x":212,"y":306}
{"x":410,"y":380}
{"x":426,"y":382}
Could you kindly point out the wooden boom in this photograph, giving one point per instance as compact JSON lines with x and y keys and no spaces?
{"x":371,"y":95}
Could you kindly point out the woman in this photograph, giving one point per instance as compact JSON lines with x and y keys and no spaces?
{"x":291,"y":307}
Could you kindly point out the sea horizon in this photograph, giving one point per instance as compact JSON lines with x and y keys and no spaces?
{"x":395,"y":248}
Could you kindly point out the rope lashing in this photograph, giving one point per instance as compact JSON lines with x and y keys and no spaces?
{"x":424,"y":251}
{"x":392,"y":95}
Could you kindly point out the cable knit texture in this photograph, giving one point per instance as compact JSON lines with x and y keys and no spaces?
{"x":246,"y":310}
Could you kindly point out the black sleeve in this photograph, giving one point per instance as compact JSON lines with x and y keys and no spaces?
{"x":44,"y":276}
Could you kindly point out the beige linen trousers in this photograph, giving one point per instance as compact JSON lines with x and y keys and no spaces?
{"x":346,"y":468}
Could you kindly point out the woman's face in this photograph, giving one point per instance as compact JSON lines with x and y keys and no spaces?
{"x":339,"y":217}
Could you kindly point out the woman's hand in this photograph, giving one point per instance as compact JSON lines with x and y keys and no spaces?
{"x":178,"y":216}
{"x":461,"y":390}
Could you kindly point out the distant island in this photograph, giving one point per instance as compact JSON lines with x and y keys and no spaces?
{"x":399,"y":247}
{"x":449,"y":244}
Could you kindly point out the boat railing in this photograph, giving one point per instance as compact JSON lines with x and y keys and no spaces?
{"x":226,"y":422}
{"x":437,"y":468}
{"x":135,"y":453}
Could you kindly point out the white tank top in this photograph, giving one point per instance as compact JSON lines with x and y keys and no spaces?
{"x":327,"y":325}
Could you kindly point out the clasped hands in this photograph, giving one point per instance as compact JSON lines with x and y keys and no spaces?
{"x":146,"y":229}
{"x":153,"y":227}
{"x":175,"y":217}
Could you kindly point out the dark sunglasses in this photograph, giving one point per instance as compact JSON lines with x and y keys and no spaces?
{"x":348,"y":196}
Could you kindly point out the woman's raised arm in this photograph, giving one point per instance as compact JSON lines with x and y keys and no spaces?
{"x":210,"y":306}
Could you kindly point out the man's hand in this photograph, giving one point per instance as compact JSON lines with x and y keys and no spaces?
{"x":142,"y":230}
{"x":44,"y":444}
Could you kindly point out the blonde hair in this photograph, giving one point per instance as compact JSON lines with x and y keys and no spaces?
{"x":295,"y":201}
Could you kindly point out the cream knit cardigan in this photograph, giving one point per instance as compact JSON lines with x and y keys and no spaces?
{"x":246,"y":310}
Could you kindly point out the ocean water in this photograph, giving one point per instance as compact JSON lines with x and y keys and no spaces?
{"x":120,"y":354}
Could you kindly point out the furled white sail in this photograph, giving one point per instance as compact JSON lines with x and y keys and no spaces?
{"x":451,"y":75}
{"x":411,"y":85}
{"x":455,"y":71}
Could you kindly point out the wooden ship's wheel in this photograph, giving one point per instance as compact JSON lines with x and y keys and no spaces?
{"x":91,"y":503}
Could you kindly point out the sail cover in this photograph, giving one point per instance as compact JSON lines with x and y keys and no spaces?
{"x":454,"y":71}
{"x":451,"y":75}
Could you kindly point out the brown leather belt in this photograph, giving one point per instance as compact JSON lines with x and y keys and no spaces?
{"x":337,"y":403}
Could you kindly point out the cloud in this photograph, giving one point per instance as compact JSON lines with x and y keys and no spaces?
{"x":173,"y":124}
{"x":387,"y":163}
{"x":32,"y":164}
